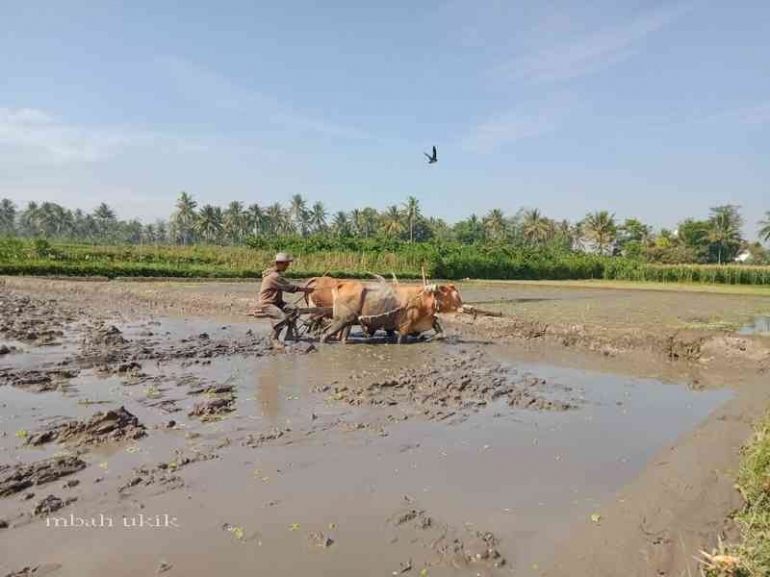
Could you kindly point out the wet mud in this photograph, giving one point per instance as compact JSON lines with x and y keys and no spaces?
{"x":463,"y":457}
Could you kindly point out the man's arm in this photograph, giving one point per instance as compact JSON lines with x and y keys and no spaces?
{"x":284,"y":284}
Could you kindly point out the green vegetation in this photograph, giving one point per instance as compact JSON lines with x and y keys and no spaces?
{"x":355,"y":258}
{"x":751,"y":558}
{"x":238,"y":242}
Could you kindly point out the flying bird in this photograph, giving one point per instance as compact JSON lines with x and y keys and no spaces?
{"x":431,"y":159}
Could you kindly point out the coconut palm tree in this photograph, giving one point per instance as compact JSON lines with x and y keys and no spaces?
{"x":318,"y":217}
{"x":234,"y":222}
{"x":725,"y":232}
{"x":298,"y":212}
{"x":209,"y":223}
{"x":535,"y":227}
{"x":369,"y":220}
{"x":7,"y":217}
{"x":255,"y":219}
{"x":392,"y":224}
{"x":764,"y":227}
{"x":412,"y":214}
{"x":184,"y":218}
{"x":599,"y":227}
{"x":341,"y":224}
{"x":494,"y":222}
{"x":105,"y":220}
{"x":279,"y":222}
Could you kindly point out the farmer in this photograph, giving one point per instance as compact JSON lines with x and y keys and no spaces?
{"x":271,"y":296}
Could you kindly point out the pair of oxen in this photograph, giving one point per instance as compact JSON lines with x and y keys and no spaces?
{"x":405,"y":310}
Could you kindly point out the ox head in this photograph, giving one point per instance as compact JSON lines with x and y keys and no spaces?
{"x":446,"y":298}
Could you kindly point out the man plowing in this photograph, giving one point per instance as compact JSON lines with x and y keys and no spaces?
{"x":271,"y":302}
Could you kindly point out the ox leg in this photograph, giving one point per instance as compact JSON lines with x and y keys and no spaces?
{"x":336,"y":326}
{"x":391,"y":333}
{"x":345,"y":334}
{"x":403,"y":338}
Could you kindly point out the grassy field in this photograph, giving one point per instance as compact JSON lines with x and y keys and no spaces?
{"x":452,"y":261}
{"x":751,"y":557}
{"x":757,"y":290}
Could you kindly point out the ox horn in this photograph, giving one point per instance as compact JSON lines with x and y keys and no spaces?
{"x":395,"y":278}
{"x":424,"y":282}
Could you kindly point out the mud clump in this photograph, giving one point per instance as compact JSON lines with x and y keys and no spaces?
{"x":20,"y":477}
{"x":164,"y":474}
{"x":103,"y":427}
{"x":37,"y":381}
{"x":109,"y":336}
{"x":51,"y":504}
{"x":262,"y":438}
{"x":443,"y":386}
{"x":212,"y":409}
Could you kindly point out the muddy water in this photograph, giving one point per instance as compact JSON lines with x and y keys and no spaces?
{"x":759,"y":326}
{"x":344,"y":471}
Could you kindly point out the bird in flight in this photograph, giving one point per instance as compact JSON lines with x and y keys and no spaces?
{"x":431,"y":159}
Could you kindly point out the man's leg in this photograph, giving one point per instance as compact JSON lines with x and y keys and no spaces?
{"x":277,"y":320}
{"x":291,"y":313}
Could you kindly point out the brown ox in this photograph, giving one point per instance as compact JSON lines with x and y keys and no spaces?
{"x":408,"y":310}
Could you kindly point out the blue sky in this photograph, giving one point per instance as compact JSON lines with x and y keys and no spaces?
{"x":656,"y":110}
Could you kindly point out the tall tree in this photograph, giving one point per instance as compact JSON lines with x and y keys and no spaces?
{"x":369,"y":219}
{"x":7,"y":217}
{"x":725,"y":234}
{"x":318,"y":217}
{"x":535,"y":227}
{"x":234,"y":222}
{"x":105,"y":220}
{"x":392,"y":224}
{"x":341,"y":224}
{"x":255,"y":218}
{"x":184,"y":218}
{"x":209,"y":223}
{"x":298,"y":212}
{"x":600,"y":228}
{"x":764,"y":227}
{"x":411,"y":213}
{"x":494,"y":222}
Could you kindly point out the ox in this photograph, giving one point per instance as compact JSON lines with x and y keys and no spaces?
{"x":407,"y":310}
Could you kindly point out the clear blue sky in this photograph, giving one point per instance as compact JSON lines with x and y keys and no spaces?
{"x":652,"y":109}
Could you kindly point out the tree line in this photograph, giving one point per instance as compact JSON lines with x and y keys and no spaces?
{"x":714,"y":239}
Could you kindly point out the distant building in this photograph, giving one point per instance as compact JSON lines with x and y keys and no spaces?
{"x":744,"y":257}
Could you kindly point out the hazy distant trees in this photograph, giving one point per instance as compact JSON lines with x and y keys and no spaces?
{"x":715,"y":239}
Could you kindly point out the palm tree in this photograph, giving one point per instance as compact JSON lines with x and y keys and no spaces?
{"x":600,"y":228}
{"x":726,"y":224}
{"x":535,"y":227}
{"x":356,"y":217}
{"x":233,"y":222}
{"x":369,"y":220}
{"x":255,"y":218}
{"x":341,"y":224}
{"x":764,"y":230}
{"x":209,"y":223}
{"x":411,"y":213}
{"x":298,"y":211}
{"x":7,"y":217}
{"x":494,"y":222}
{"x":278,"y":220}
{"x":183,"y":220}
{"x":28,"y":220}
{"x":318,"y":217}
{"x":105,"y":220}
{"x":392,"y":225}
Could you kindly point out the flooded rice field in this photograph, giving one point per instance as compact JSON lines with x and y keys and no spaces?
{"x":134,"y":441}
